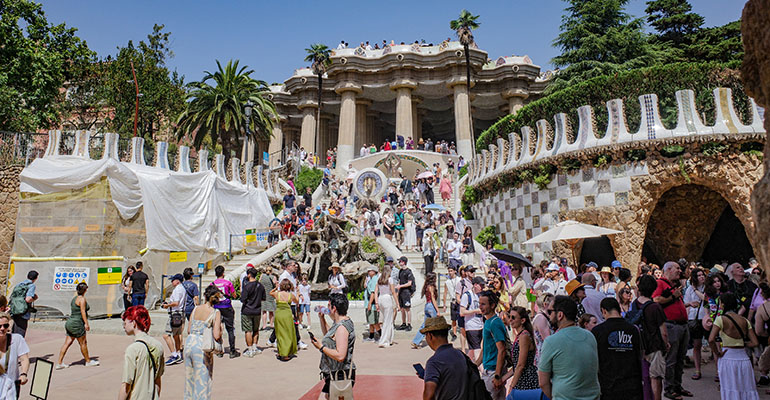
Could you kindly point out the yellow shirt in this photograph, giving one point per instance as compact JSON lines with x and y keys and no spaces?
{"x":728,"y":341}
{"x":137,"y":368}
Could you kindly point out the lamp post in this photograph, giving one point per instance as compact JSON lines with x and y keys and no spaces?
{"x":247,"y":108}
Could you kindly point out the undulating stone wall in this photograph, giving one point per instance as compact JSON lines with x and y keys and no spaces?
{"x":9,"y":207}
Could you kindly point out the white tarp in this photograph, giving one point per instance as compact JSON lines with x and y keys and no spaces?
{"x":182,"y":211}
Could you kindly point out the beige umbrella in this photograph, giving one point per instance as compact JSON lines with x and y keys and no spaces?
{"x":571,"y":232}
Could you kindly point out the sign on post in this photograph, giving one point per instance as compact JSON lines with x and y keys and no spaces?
{"x":250,"y":236}
{"x":67,"y":278}
{"x":201,"y":268}
{"x":108,"y":275}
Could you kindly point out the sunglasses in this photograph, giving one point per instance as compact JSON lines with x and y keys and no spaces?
{"x":5,"y":326}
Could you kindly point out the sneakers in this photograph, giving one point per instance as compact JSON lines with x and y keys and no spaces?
{"x":302,"y":345}
{"x":408,"y":328}
{"x":368,"y":339}
{"x":173,"y":360}
{"x":401,"y":327}
{"x":256,"y":351}
{"x":248,"y":353}
{"x":234,"y":353}
{"x":92,"y":363}
{"x":270,"y":344}
{"x":62,"y":366}
{"x":384,"y":345}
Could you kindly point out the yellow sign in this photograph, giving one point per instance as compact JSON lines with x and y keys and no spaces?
{"x":251,"y":238}
{"x":108,"y":276}
{"x":177,"y":256}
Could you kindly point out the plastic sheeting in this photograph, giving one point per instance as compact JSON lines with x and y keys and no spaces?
{"x":182,"y":211}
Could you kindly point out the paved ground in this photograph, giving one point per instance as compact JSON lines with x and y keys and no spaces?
{"x":385,"y":373}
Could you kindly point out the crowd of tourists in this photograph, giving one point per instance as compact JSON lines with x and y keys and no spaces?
{"x":367,"y":46}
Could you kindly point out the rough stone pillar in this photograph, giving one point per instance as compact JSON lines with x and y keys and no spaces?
{"x":362,"y":106}
{"x":755,"y":73}
{"x":276,"y":144}
{"x":346,"y":135}
{"x":463,"y":135}
{"x":404,"y":122}
{"x":416,"y":120}
{"x":515,"y":103}
{"x":307,"y":135}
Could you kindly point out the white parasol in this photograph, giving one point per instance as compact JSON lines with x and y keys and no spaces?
{"x":571,"y":232}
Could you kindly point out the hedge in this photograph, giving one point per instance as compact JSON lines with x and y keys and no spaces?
{"x":663,"y":80}
{"x":308,"y":177}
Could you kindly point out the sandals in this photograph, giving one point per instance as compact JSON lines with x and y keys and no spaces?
{"x":672,"y":395}
{"x":696,"y":376}
{"x":685,"y":392}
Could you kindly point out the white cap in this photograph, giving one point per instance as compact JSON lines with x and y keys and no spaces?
{"x":552,"y":267}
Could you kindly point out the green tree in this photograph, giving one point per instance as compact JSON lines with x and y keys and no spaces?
{"x":673,"y":20}
{"x":598,"y":37}
{"x":161,"y":91}
{"x":215,"y":109}
{"x":36,"y":59}
{"x":463,"y":27}
{"x":319,"y":54}
{"x":720,"y":43}
{"x":84,"y":104}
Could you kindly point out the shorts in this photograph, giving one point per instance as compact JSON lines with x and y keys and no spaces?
{"x":387,"y":231}
{"x":657,"y":364}
{"x":340,"y":375}
{"x":474,"y":339}
{"x":372,"y":316}
{"x":454,"y":311}
{"x":405,"y":298}
{"x":455,"y":263}
{"x":250,"y":323}
{"x":460,"y":319}
{"x":304,"y":308}
{"x":173,"y":331}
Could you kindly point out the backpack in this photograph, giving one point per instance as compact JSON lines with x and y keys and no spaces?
{"x":372,"y":219}
{"x":18,"y":302}
{"x":475,"y":388}
{"x":635,"y":315}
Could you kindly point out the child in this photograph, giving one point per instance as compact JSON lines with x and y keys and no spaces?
{"x":304,"y":301}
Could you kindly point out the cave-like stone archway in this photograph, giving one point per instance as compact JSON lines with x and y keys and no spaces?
{"x":732,"y":175}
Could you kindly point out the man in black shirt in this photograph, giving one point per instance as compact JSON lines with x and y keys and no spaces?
{"x":252,"y":295}
{"x":446,"y":372}
{"x":620,"y":354}
{"x":404,"y":289}
{"x":288,"y":203}
{"x":742,"y":288}
{"x":308,"y":197}
{"x":140,"y":283}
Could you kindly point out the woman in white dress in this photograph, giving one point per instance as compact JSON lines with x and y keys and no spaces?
{"x":410,"y":239}
{"x":385,"y":296}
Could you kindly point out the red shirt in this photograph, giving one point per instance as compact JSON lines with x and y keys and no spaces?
{"x":675,"y":312}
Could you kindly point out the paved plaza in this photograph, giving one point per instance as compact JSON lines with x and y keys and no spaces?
{"x":381,"y":373}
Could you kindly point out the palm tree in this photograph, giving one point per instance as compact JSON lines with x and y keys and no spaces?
{"x":464,"y":27}
{"x":319,"y":54}
{"x":218,"y":111}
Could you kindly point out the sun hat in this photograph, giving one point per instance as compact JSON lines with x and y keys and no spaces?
{"x":606,"y":269}
{"x":572,"y":286}
{"x":435,"y":324}
{"x":552,"y":267}
{"x":335,"y":265}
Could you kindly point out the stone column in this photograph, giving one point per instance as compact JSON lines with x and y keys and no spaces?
{"x":276,"y":144}
{"x":324,"y":138}
{"x":307,"y":135}
{"x":347,"y":130}
{"x":463,"y":134}
{"x":362,"y":105}
{"x":416,"y":120}
{"x":371,"y":128}
{"x":515,"y":100}
{"x":404,"y":121}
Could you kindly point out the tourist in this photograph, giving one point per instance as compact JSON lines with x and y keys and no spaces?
{"x":304,"y":301}
{"x":22,"y":297}
{"x":143,"y":361}
{"x":498,"y":286}
{"x":607,"y":285}
{"x":593,"y":297}
{"x":654,"y":335}
{"x":175,"y":321}
{"x":372,"y":312}
{"x":267,"y":280}
{"x":569,"y":365}
{"x":469,"y":309}
{"x":460,"y":223}
{"x":742,"y":288}
{"x":388,"y":224}
{"x":284,"y":320}
{"x":429,"y":251}
{"x":576,"y":292}
{"x":454,"y":250}
{"x":399,"y":226}
{"x":450,"y":287}
{"x":588,"y":321}
{"x":429,"y":191}
{"x":308,"y":197}
{"x":252,"y":296}
{"x":518,"y":287}
{"x":445,"y":188}
{"x":336,"y":280}
{"x":192,"y":293}
{"x":225,"y":308}
{"x":125,"y":284}
{"x":288,"y":203}
{"x":336,"y":347}
{"x":620,"y":354}
{"x":761,"y":319}
{"x":736,"y":374}
{"x":694,"y":299}
{"x":554,"y":282}
{"x":405,"y":288}
{"x":468,"y":250}
{"x":76,"y":328}
{"x":140,"y":285}
{"x":341,"y":45}
{"x":385,"y":295}
{"x":290,"y":267}
{"x":446,"y":371}
{"x":429,"y":293}
{"x":199,"y":364}
{"x":669,"y":295}
{"x":523,"y":373}
{"x":495,"y":337}
{"x":624,"y":277}
{"x":410,"y":229}
{"x":625,"y":296}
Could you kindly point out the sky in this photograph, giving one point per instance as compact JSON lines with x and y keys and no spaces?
{"x":271,"y":36}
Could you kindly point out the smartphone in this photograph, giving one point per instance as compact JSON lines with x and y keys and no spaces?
{"x":312,"y":337}
{"x":420,"y":370}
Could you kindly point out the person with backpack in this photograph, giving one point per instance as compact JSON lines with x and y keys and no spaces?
{"x":225,"y":308}
{"x":143,"y":362}
{"x":22,"y":297}
{"x":649,"y":318}
{"x":446,"y":371}
{"x":406,"y":288}
{"x":620,"y":354}
{"x":496,"y":347}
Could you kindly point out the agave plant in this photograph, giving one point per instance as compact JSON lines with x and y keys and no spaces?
{"x":216,"y":109}
{"x":319,"y":54}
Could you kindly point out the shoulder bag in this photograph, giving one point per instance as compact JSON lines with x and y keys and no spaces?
{"x":341,"y":388}
{"x":154,"y":367}
{"x":210,"y":345}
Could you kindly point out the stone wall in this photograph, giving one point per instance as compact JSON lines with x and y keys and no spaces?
{"x":9,"y":206}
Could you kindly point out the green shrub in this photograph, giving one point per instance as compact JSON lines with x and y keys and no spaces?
{"x":672,"y":151}
{"x":713,"y":148}
{"x":753,"y":149}
{"x":602,"y":160}
{"x":369,"y":245}
{"x":470,"y":197}
{"x":662,"y":80}
{"x":308,"y":177}
{"x":277,"y":208}
{"x":296,"y":248}
{"x":463,"y":171}
{"x":359,"y":295}
{"x":636,"y":155}
{"x":487,"y":234}
{"x":544,"y":175}
{"x":569,"y":165}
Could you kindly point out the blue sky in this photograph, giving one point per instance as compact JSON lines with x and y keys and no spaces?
{"x":270,"y":36}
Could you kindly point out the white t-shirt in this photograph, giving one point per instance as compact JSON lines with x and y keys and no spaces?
{"x":287,"y":275}
{"x":451,"y":285}
{"x":454,"y":248}
{"x":18,"y":348}
{"x":304,"y":291}
{"x":7,"y":388}
{"x":470,"y":301}
{"x":177,"y":295}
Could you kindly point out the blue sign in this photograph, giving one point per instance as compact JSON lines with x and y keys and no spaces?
{"x":71,"y":274}
{"x":58,"y":274}
{"x":57,"y":280}
{"x":265,"y":158}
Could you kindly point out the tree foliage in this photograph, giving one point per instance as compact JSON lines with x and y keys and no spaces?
{"x":673,"y":20}
{"x":215,"y":108}
{"x":36,"y":59}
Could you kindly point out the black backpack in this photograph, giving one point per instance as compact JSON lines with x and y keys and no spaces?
{"x":475,"y":388}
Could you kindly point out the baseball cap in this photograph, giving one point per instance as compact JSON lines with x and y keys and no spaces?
{"x":403,"y":259}
{"x":617,"y":264}
{"x":177,"y":277}
{"x":470,"y":268}
{"x":479,"y":281}
{"x":592,"y":264}
{"x":388,"y":259}
{"x":552,"y":267}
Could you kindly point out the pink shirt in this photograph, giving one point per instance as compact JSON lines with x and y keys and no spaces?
{"x":227,"y":288}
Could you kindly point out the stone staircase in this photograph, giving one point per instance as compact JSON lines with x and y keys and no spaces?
{"x":237,"y":261}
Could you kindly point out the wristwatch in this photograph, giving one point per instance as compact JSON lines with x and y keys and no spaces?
{"x":321,"y":349}
{"x":497,"y":377}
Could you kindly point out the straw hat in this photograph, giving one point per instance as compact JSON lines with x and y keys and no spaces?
{"x":336,"y":265}
{"x":606,"y":269}
{"x":435,"y":324}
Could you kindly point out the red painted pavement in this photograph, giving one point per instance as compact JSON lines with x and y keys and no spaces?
{"x":378,"y":387}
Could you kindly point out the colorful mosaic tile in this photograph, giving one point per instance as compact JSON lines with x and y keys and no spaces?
{"x":604,"y":185}
{"x":534,"y":197}
{"x":527,"y":211}
{"x":618,"y":171}
{"x":590,"y":201}
{"x":561,"y":179}
{"x":621,"y":198}
{"x":543,"y":208}
{"x":536,"y":221}
{"x":588,"y":174}
{"x":574,"y":189}
{"x":563,"y":205}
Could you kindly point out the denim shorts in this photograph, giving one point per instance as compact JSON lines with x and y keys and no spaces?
{"x":304,"y":308}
